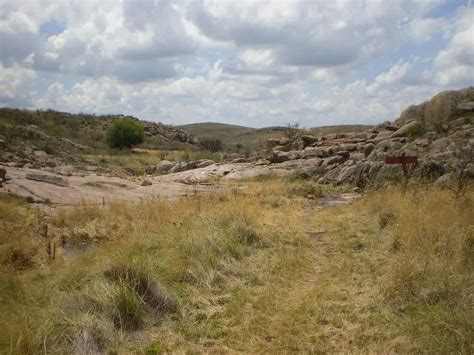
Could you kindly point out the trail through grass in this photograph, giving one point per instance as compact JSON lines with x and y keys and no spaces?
{"x":257,"y":269}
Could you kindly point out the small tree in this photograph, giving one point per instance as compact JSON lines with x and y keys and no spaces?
{"x":292,"y":130}
{"x":210,"y":143}
{"x":125,"y":133}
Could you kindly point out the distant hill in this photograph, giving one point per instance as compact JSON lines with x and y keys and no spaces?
{"x":234,"y":137}
{"x":255,"y":138}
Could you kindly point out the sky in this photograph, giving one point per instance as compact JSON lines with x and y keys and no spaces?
{"x":252,"y":63}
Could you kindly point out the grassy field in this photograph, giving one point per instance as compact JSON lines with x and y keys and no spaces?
{"x":126,"y":163}
{"x":258,"y":268}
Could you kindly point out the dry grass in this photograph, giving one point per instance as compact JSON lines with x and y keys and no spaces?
{"x":257,"y":269}
{"x":133,"y":162}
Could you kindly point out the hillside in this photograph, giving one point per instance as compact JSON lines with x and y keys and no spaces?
{"x":54,"y":130}
{"x":311,"y":245}
{"x":240,"y":138}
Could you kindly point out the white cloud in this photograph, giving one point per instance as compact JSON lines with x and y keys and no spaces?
{"x":16,"y":85}
{"x":250,"y":62}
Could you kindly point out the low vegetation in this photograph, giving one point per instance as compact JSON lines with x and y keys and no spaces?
{"x":257,"y":268}
{"x":125,"y":133}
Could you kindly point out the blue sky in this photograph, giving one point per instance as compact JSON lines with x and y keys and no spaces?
{"x":254,"y":63}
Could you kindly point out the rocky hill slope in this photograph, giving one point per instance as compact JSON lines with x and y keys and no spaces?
{"x":64,"y":136}
{"x":439,"y":132}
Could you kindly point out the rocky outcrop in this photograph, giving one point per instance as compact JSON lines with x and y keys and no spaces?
{"x":441,"y":109}
{"x":50,"y":179}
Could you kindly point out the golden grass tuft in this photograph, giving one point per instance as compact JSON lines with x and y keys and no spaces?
{"x":258,"y":268}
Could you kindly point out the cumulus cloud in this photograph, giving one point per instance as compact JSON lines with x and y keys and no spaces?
{"x":254,"y":63}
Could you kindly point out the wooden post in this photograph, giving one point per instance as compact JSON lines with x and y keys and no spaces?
{"x":403,"y":160}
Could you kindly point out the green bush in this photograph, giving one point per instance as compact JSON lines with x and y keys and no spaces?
{"x":416,"y":131}
{"x":125,"y":133}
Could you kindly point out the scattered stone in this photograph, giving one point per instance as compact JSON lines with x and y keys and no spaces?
{"x":146,"y":183}
{"x":50,"y":179}
{"x":239,"y":161}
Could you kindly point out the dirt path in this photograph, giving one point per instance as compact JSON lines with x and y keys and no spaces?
{"x":318,"y":305}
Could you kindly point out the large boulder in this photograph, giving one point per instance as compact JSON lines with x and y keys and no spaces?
{"x":285,"y":141}
{"x":405,"y":129}
{"x":320,"y":152}
{"x":466,"y":106}
{"x":368,"y":148}
{"x":272,"y":142}
{"x":202,"y":163}
{"x":162,"y":167}
{"x":308,"y":140}
{"x":440,"y":110}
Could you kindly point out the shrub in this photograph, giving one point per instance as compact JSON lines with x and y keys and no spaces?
{"x":125,"y":133}
{"x":210,"y":143}
{"x":416,"y":131}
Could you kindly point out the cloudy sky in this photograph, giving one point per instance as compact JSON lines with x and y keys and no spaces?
{"x":254,"y":63}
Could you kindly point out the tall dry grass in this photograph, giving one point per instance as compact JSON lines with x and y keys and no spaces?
{"x":429,"y":236}
{"x":157,"y":262}
{"x":254,"y":269}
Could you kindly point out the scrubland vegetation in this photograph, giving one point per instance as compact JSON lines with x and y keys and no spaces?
{"x":257,"y":268}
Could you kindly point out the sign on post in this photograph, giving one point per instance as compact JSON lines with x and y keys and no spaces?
{"x":403,"y":160}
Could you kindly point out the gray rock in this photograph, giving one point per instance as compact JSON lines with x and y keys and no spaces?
{"x":441,"y":145}
{"x":204,"y":163}
{"x":3,"y":145}
{"x":392,"y":127}
{"x":346,"y":174}
{"x":446,"y":181}
{"x":164,"y":166}
{"x":357,"y":157}
{"x":280,"y":157}
{"x":308,"y":140}
{"x":283,"y":148}
{"x":146,"y":183}
{"x":285,"y":141}
{"x":344,"y":153}
{"x":432,"y":168}
{"x":403,"y":131}
{"x":466,"y":106}
{"x":368,"y":148}
{"x":320,"y":152}
{"x":239,"y":161}
{"x":50,"y":179}
{"x":272,"y":142}
{"x":422,"y":142}
{"x":337,"y":159}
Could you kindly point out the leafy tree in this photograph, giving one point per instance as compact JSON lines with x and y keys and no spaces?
{"x":125,"y":133}
{"x":210,"y":143}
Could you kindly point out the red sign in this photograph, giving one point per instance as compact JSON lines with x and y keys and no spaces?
{"x":401,"y":160}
